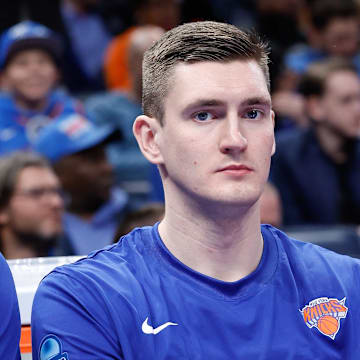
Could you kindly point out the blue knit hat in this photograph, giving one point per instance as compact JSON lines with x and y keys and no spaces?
{"x":28,"y":35}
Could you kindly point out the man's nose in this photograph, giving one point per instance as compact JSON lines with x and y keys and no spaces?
{"x":56,"y":199}
{"x":232,"y":138}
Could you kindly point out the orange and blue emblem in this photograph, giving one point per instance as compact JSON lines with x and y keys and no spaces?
{"x":325,"y":314}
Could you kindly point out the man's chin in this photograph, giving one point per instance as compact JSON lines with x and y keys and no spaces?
{"x":41,"y":243}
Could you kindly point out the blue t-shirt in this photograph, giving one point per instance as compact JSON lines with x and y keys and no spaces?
{"x":10,"y":325}
{"x":20,"y":128}
{"x":135,"y":300}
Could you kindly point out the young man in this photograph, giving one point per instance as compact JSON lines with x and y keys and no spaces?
{"x":31,"y":207}
{"x":208,"y":282}
{"x":30,"y":56}
{"x":322,"y":163}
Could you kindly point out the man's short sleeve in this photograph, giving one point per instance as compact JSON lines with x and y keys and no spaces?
{"x":10,"y":325}
{"x":70,"y":318}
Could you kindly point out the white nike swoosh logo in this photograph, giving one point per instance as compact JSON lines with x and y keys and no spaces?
{"x":148,"y":329}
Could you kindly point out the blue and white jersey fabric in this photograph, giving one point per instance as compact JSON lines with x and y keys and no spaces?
{"x":10,"y":326}
{"x":135,"y":300}
{"x":20,"y":128}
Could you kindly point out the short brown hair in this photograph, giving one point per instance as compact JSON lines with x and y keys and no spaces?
{"x":195,"y":42}
{"x":11,"y":167}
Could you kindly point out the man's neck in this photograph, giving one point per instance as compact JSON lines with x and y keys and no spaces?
{"x":227,"y":249}
{"x":85,"y":211}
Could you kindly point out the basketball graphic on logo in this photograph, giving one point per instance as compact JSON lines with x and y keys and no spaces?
{"x":328,"y":325}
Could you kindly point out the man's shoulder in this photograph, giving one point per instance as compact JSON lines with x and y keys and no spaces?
{"x":110,"y":266}
{"x":311,"y":260}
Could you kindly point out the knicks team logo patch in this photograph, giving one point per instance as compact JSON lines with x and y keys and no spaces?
{"x":325,"y":315}
{"x":51,"y":349}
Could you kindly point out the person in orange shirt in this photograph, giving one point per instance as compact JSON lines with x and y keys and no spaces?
{"x":163,"y":13}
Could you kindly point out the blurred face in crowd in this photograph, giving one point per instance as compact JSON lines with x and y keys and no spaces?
{"x":88,"y":177}
{"x":36,"y":206}
{"x":339,"y":107}
{"x":341,"y":37}
{"x":30,"y":75}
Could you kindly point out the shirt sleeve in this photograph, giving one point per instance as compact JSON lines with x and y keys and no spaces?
{"x":70,"y":318}
{"x":10,"y":325}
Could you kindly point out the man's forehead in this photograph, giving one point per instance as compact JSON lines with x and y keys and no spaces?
{"x":237,"y":74}
{"x":335,"y":81}
{"x":30,"y":175}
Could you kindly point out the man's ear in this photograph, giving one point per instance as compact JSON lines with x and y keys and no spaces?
{"x":147,"y":131}
{"x":274,"y":142}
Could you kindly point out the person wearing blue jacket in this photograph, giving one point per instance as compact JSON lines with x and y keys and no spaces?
{"x":30,"y":57}
{"x":317,"y":169}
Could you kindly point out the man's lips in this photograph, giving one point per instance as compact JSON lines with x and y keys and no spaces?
{"x":236,"y":168}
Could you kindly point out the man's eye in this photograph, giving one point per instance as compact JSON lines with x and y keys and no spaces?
{"x":253,"y":114}
{"x":203,"y":116}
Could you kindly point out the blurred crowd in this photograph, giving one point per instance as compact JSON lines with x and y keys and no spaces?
{"x":72,"y":178}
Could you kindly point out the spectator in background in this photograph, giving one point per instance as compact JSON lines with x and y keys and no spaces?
{"x":121,"y":108}
{"x":317,"y":170}
{"x":31,"y":208}
{"x":10,"y":325}
{"x":270,"y":206}
{"x":95,"y":207}
{"x":333,"y":30}
{"x":29,"y":63}
{"x":163,"y":13}
{"x":285,"y":14}
{"x":87,"y":37}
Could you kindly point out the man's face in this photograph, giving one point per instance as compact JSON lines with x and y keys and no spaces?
{"x":88,"y":177}
{"x":30,"y":75}
{"x":36,"y":207}
{"x":340,"y":105}
{"x":341,"y":37}
{"x":218,"y":133}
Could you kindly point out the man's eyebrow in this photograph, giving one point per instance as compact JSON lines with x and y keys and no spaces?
{"x":204,"y":103}
{"x":257,"y":101}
